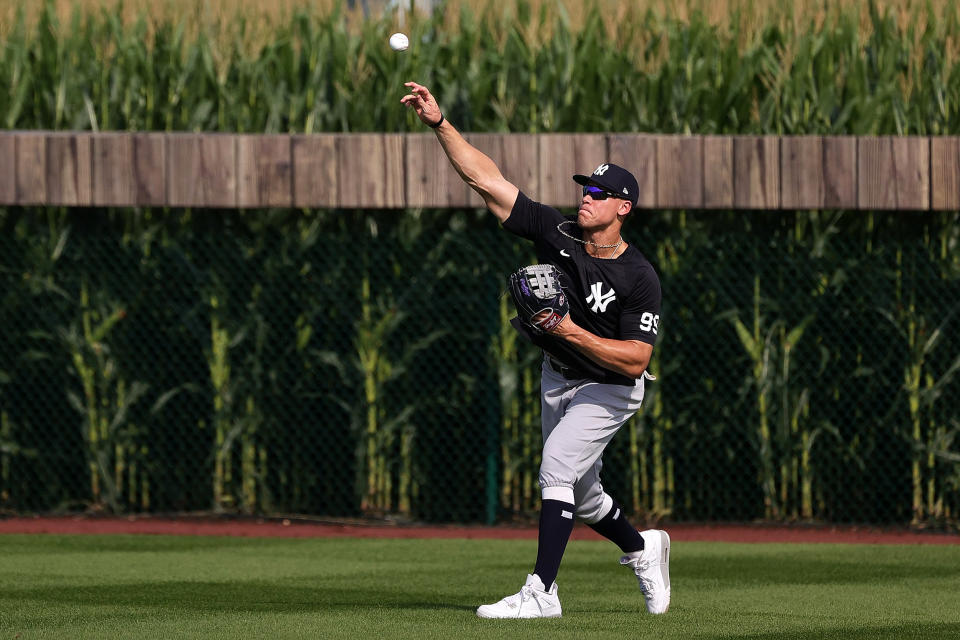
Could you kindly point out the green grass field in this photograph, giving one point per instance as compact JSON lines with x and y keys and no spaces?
{"x":176,"y":587}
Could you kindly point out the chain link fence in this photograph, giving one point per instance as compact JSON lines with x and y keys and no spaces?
{"x":361,"y":364}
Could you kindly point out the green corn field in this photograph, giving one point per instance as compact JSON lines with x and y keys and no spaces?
{"x":727,"y":67}
{"x":352,"y":363}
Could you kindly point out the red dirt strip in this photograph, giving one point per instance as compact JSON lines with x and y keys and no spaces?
{"x":270,"y":528}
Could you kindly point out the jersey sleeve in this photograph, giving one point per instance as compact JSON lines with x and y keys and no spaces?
{"x":640,"y":319}
{"x":531,"y":220}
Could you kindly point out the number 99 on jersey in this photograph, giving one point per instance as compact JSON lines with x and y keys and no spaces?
{"x":649,"y":322}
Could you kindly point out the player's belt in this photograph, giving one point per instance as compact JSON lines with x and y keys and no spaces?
{"x":567,"y":372}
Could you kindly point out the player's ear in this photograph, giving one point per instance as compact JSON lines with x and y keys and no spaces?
{"x":625,"y":208}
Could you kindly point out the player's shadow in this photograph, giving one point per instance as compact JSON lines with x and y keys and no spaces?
{"x":802,"y":570}
{"x":250,"y":596}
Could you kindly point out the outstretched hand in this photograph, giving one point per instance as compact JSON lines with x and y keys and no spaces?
{"x":422,"y":101}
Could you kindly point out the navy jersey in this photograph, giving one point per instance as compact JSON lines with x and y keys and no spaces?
{"x":618,"y":299}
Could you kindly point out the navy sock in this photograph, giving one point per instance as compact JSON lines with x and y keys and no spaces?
{"x":556,"y":525}
{"x":615,"y":527}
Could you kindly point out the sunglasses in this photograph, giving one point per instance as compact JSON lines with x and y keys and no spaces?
{"x":597,"y":193}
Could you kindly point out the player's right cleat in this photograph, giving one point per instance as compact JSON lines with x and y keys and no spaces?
{"x":533,"y":601}
{"x":652,"y":568}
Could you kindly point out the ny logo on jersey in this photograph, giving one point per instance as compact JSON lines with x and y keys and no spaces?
{"x":600,"y":299}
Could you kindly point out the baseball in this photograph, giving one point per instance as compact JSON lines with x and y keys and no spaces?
{"x":399,"y":42}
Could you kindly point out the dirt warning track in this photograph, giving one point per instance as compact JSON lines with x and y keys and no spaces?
{"x":288,"y":528}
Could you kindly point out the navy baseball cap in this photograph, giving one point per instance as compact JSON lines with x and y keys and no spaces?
{"x":614,"y":179}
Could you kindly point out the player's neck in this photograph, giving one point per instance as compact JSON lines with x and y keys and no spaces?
{"x":604,"y":245}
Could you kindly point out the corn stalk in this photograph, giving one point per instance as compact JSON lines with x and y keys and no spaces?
{"x":759,"y":348}
{"x":389,"y":484}
{"x":508,"y":376}
{"x":379,"y":359}
{"x":236,"y":418}
{"x":105,"y":401}
{"x":520,"y":428}
{"x":769,"y":349}
{"x":651,"y":477}
{"x":661,"y":493}
{"x":375,"y":368}
{"x":219,"y":366}
{"x":928,"y":436}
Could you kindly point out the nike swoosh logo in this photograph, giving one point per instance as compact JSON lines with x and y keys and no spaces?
{"x":564,"y":253}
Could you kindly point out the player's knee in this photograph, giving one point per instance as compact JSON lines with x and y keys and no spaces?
{"x":593,"y":508}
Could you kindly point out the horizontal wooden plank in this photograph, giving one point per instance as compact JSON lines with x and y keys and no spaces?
{"x":69,"y":176}
{"x":378,"y":170}
{"x":637,"y":153}
{"x":150,"y":169}
{"x":840,"y":172}
{"x":893,"y":173}
{"x":431,"y":179}
{"x":201,"y":170}
{"x":8,"y":160}
{"x":264,"y":171}
{"x":679,"y":172}
{"x":945,"y":173}
{"x":395,"y":185}
{"x":372,"y":172}
{"x":521,"y":162}
{"x":31,"y":168}
{"x":756,"y":169}
{"x":315,"y":175}
{"x":717,"y":172}
{"x":563,"y":155}
{"x":113,"y":178}
{"x":801,"y":172}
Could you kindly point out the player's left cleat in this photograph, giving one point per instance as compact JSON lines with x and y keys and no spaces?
{"x":532,"y":601}
{"x":652,"y":568}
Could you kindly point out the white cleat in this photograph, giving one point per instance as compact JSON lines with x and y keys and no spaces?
{"x":652,"y":566}
{"x":533,"y":601}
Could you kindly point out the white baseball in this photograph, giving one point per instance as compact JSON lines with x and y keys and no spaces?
{"x":399,"y":42}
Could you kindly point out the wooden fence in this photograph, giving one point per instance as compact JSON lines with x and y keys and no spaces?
{"x":410,"y":170}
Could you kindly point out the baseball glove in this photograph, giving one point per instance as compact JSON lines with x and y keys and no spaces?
{"x":535,"y":290}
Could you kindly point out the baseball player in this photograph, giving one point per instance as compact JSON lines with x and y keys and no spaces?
{"x":597,"y":335}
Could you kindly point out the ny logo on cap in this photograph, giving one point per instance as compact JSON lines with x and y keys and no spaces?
{"x":602,"y":169}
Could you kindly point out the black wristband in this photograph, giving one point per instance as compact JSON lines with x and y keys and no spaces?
{"x":439,"y":122}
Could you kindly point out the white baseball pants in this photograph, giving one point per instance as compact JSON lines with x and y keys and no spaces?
{"x":579,"y":418}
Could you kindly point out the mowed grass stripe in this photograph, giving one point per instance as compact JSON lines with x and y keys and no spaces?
{"x":156,"y":586}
